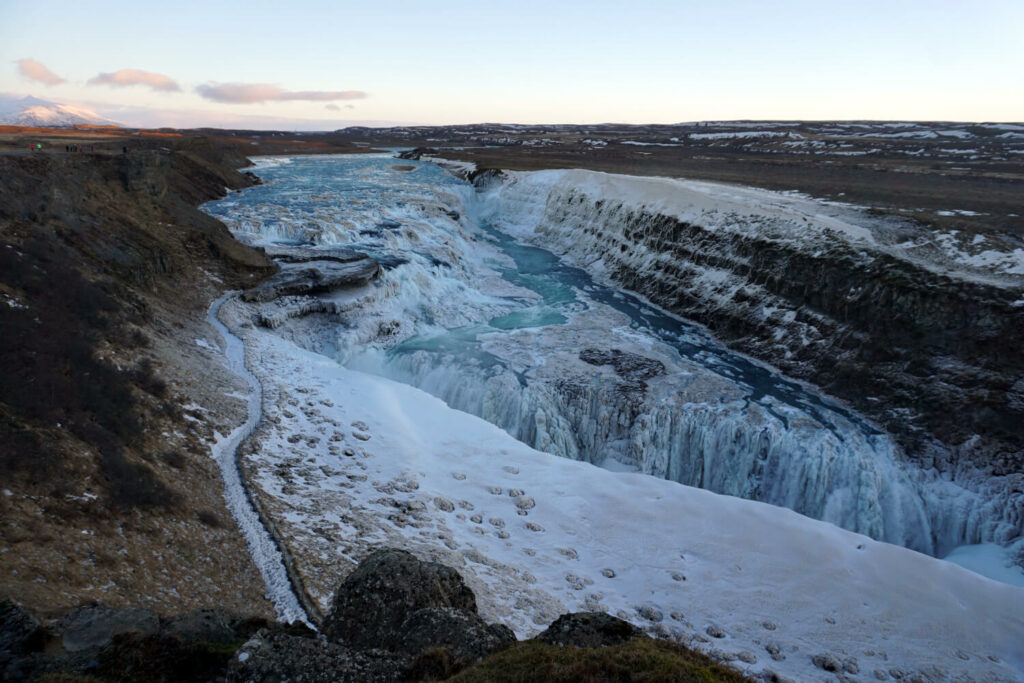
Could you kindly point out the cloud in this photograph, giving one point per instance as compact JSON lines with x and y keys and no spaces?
{"x":250,"y":93}
{"x":129,"y":77}
{"x":350,"y":106}
{"x":37,"y":71}
{"x":333,"y":107}
{"x":157,"y":117}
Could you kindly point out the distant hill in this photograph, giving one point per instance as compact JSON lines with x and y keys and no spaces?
{"x":32,"y":111}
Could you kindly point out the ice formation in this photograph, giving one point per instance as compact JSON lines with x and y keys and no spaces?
{"x":499,"y":329}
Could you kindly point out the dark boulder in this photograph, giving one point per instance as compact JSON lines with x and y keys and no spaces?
{"x":211,"y":625}
{"x":394,"y":618}
{"x":20,"y":636}
{"x":124,"y":644}
{"x":467,"y":636}
{"x":271,"y":657}
{"x":94,"y":626}
{"x":589,"y":629}
{"x":375,"y":600}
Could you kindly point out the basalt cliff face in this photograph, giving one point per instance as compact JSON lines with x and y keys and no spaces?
{"x":908,"y":337}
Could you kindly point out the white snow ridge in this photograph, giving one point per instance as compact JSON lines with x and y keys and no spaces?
{"x":345,"y":461}
{"x":36,"y":112}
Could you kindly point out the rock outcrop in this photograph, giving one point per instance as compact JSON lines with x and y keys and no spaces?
{"x":589,"y":629}
{"x":129,"y":644}
{"x":316,"y":276}
{"x":390,"y":587}
{"x":272,"y":656}
{"x":395,"y":618}
{"x":390,"y":611}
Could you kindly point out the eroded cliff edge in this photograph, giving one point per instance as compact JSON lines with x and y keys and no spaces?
{"x":921,"y":332}
{"x":113,"y":387}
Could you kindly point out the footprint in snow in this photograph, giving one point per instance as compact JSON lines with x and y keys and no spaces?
{"x":361,"y":426}
{"x":650,"y":613}
{"x":511,"y":469}
{"x":524,"y":503}
{"x":715,"y":631}
{"x":362,"y":436}
{"x":458,"y":475}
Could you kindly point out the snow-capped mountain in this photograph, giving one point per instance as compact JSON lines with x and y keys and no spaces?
{"x":33,"y":111}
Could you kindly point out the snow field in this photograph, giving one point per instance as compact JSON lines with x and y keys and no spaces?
{"x":351,"y":461}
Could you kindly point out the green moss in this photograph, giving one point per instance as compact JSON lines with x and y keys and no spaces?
{"x":638,"y":660}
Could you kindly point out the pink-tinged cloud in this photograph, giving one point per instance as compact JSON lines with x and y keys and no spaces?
{"x":37,"y":71}
{"x":129,"y":77}
{"x":251,"y":93}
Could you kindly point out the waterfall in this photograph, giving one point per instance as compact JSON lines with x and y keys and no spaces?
{"x":498,"y":330}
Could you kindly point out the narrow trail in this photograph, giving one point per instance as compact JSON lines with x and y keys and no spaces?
{"x":264,"y":550}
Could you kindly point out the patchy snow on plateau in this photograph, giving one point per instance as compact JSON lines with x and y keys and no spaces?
{"x":789,"y":217}
{"x":744,"y":134}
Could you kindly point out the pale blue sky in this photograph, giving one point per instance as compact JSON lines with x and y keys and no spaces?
{"x":526,"y":61}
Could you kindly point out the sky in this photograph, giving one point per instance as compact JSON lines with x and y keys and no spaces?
{"x":325,"y":64}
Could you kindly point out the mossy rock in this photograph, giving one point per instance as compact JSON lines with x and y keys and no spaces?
{"x":645,"y":660}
